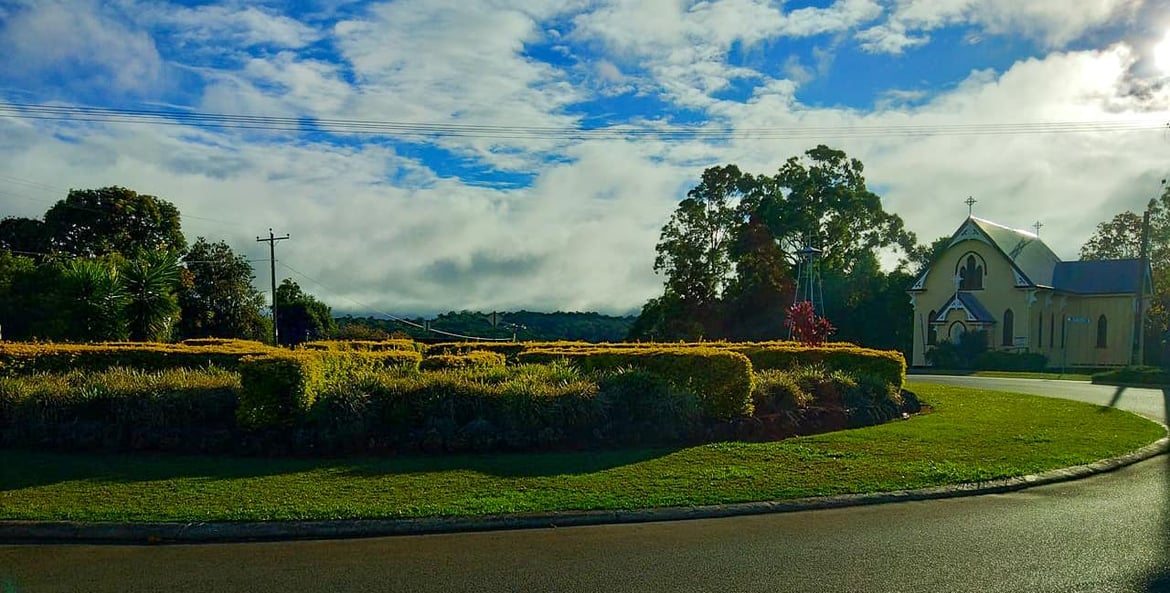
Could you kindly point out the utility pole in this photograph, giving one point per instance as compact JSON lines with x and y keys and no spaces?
{"x":1139,"y":324}
{"x":271,"y":241}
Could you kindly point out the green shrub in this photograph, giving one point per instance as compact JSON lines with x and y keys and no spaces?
{"x":889,"y":365}
{"x":997,"y":360}
{"x":1139,"y":375}
{"x":120,"y":409}
{"x":776,"y":391}
{"x":474,"y":358}
{"x":26,"y":358}
{"x":363,"y":345}
{"x":277,"y":390}
{"x":640,"y":408}
{"x":721,"y":379}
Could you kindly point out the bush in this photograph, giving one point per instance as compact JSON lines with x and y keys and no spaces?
{"x":962,"y":355}
{"x":121,"y":410}
{"x":1139,"y":375}
{"x":277,"y":390}
{"x":776,"y":391}
{"x":363,"y":345}
{"x":474,"y":358}
{"x":26,"y":358}
{"x":640,"y":407}
{"x":889,"y":365}
{"x":722,"y":380}
{"x":996,"y":360}
{"x":530,"y":406}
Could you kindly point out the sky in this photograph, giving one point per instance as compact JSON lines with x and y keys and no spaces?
{"x":499,"y":155}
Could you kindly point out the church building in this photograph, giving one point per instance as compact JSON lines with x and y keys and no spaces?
{"x":1008,"y":283}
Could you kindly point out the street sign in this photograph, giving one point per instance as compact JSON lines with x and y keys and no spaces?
{"x":1079,"y":320}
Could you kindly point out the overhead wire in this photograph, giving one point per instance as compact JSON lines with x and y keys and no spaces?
{"x":270,"y":123}
{"x":392,"y":317}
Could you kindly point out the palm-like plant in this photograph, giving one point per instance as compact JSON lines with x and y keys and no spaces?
{"x":96,"y":299}
{"x":151,"y":280}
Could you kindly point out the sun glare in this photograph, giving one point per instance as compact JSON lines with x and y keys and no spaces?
{"x":1162,"y":54}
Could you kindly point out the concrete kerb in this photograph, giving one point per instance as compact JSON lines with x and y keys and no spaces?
{"x":29,"y":532}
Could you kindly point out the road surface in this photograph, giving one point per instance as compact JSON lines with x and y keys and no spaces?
{"x":1103,"y":534}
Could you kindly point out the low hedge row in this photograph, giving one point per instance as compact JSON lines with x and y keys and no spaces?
{"x":121,"y":410}
{"x":475,"y":358}
{"x":22,"y":358}
{"x":363,"y":345}
{"x":889,"y":365}
{"x":278,"y":389}
{"x":721,"y":379}
{"x":1140,"y":375}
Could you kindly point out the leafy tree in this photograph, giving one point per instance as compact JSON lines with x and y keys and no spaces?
{"x":95,"y":222}
{"x":1120,"y":238}
{"x":756,"y":299}
{"x":96,"y":300}
{"x":26,"y":236}
{"x":217,"y":298}
{"x":822,"y":200}
{"x":693,"y":248}
{"x":920,"y":258}
{"x":301,"y":317}
{"x":150,"y":282}
{"x":729,"y":249}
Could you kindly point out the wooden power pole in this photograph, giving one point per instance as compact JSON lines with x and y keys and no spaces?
{"x":271,"y":241}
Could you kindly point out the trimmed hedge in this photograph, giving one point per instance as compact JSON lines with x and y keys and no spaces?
{"x":363,"y":345}
{"x":24,"y":358}
{"x":888,"y":365}
{"x":721,"y":379}
{"x":121,"y":410}
{"x":475,"y":358}
{"x":1141,"y":375}
{"x":278,"y":389}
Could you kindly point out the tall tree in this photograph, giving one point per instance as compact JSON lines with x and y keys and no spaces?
{"x":757,"y":298}
{"x":822,"y":200}
{"x":693,"y":250}
{"x":1119,"y":238}
{"x":95,"y":222}
{"x":301,"y":317}
{"x":24,"y":236}
{"x":218,"y":298}
{"x":150,"y":281}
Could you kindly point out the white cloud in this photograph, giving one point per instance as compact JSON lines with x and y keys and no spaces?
{"x":1054,"y":23}
{"x":212,"y":28}
{"x":84,"y":43}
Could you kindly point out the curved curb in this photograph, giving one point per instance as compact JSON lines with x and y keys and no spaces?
{"x":223,"y":532}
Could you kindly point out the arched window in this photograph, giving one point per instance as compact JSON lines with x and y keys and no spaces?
{"x":1040,"y":332}
{"x":956,"y":332}
{"x":971,"y":271}
{"x":1102,"y":332}
{"x":1009,"y":331}
{"x":931,"y":330}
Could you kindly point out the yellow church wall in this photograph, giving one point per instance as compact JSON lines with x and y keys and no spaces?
{"x":1082,"y":344}
{"x":998,"y":295}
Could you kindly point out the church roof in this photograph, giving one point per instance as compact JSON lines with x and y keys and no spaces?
{"x":1114,"y":276}
{"x":966,"y":302}
{"x":1028,"y":253}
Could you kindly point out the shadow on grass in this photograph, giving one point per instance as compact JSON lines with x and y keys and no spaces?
{"x":26,"y":469}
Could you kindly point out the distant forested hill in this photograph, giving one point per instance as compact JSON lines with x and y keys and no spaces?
{"x":527,"y":325}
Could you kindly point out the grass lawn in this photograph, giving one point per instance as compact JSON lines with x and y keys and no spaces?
{"x":971,"y":436}
{"x":1005,"y":374}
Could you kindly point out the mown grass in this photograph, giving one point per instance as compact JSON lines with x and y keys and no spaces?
{"x":971,"y":435}
{"x":1007,"y":374}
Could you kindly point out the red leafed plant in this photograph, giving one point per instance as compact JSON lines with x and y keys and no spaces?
{"x":807,"y":328}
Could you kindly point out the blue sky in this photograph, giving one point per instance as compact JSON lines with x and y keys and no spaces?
{"x":499,"y":219}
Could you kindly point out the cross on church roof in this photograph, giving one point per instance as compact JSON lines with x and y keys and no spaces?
{"x":1039,"y":225}
{"x":970,"y":202}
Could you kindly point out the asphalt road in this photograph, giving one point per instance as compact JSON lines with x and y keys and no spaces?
{"x":1103,"y":534}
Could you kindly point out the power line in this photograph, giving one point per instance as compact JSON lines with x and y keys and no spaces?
{"x":392,"y":317}
{"x":650,"y":130}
